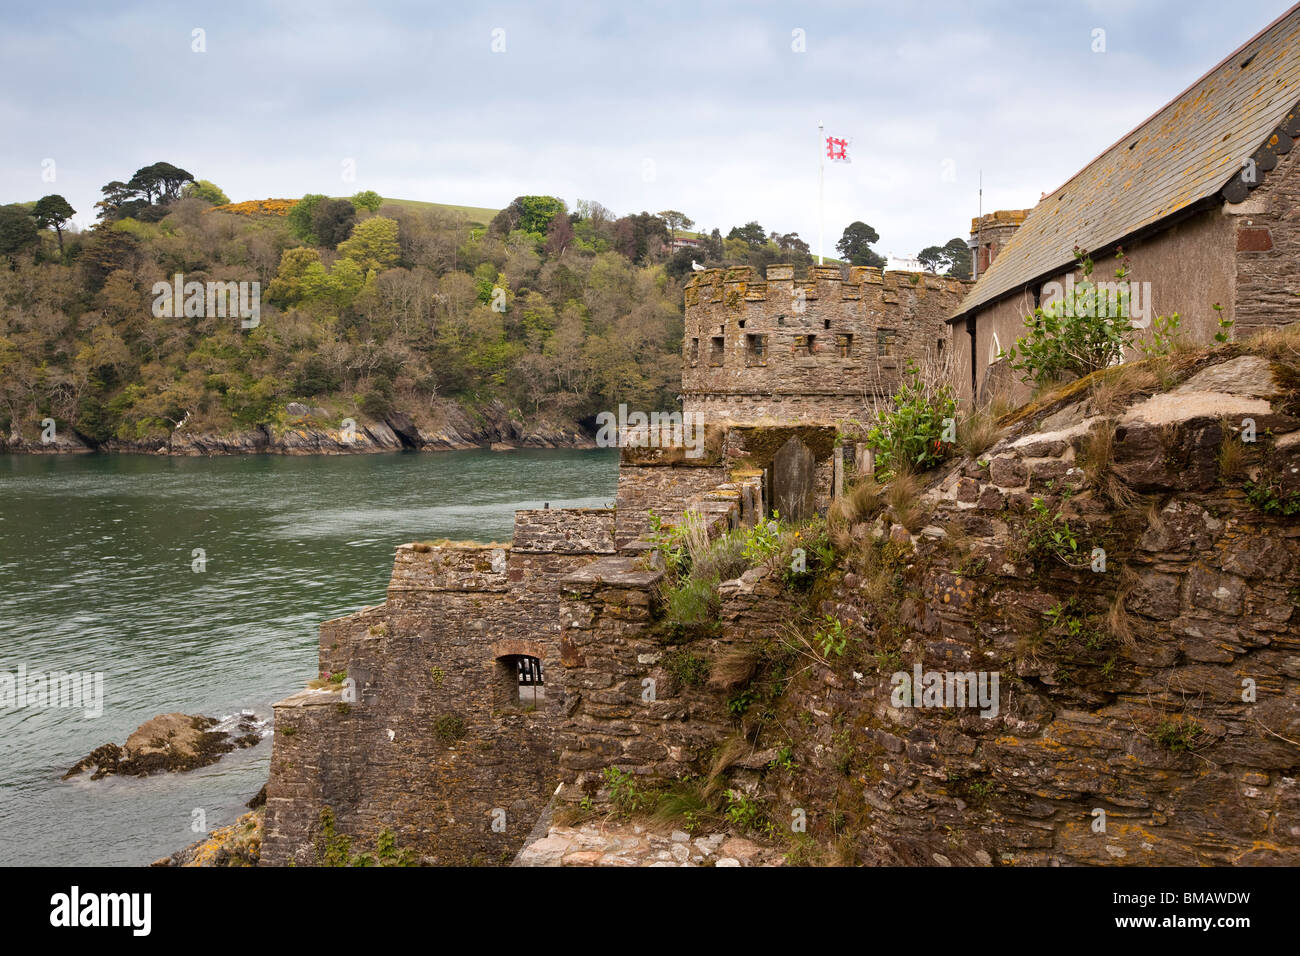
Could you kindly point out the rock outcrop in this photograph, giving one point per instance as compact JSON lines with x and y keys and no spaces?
{"x":239,"y":844}
{"x":170,"y":743}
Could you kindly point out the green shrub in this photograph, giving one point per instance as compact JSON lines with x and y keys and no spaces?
{"x":831,"y":636}
{"x":723,"y":559}
{"x":335,"y":849}
{"x":746,"y":813}
{"x":626,"y":797}
{"x":908,"y":434}
{"x":1048,"y":535}
{"x":689,"y":669}
{"x":763,"y":541}
{"x":449,"y":727}
{"x":1178,"y":735}
{"x":1268,"y":496}
{"x":1073,"y":336}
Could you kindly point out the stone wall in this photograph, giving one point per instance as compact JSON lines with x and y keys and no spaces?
{"x":629,"y":705}
{"x":430,"y":735}
{"x":1268,"y":249}
{"x":1160,"y":731}
{"x":808,"y":351}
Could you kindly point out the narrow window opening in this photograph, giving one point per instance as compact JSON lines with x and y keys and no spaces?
{"x":755,"y":350}
{"x":715,"y":351}
{"x":886,"y":343}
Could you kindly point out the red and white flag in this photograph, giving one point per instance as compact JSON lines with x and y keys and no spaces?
{"x":837,"y":150}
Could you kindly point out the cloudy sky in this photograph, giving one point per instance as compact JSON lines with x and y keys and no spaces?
{"x":710,"y":108}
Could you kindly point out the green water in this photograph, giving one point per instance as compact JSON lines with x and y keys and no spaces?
{"x":96,"y":575}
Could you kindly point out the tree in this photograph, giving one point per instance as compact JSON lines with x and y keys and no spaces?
{"x":559,"y":236}
{"x":300,"y":217}
{"x":855,"y":245}
{"x":207,"y":191}
{"x":637,"y":236}
{"x":17,"y":229}
{"x":331,"y":221}
{"x":286,"y":289}
{"x":162,"y":180}
{"x":373,"y":244}
{"x":53,"y":212}
{"x":952,"y":258}
{"x":675,"y":220}
{"x":753,"y":235}
{"x":529,"y":213}
{"x":959,"y":256}
{"x":119,"y":202}
{"x":368,"y":200}
{"x":792,"y":244}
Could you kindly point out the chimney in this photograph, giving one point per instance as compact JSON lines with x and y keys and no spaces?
{"x":990,"y":234}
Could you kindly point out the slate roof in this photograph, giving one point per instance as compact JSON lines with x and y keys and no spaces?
{"x":1183,"y":154}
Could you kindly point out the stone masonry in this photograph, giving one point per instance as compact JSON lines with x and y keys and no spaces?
{"x":808,"y":351}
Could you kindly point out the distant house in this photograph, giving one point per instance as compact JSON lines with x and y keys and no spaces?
{"x":686,"y":242}
{"x":895,"y":263}
{"x":1202,"y":197}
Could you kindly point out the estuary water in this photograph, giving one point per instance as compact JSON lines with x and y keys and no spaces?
{"x":98,"y":559}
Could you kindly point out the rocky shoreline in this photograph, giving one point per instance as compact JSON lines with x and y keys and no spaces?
{"x":310,"y":431}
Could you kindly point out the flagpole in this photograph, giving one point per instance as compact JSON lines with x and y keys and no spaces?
{"x":821,"y":193}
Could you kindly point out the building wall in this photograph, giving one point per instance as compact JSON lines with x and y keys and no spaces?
{"x":792,"y":380}
{"x":1268,"y":249}
{"x":1190,"y":267}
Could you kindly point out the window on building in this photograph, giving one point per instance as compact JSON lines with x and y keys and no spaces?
{"x":826,"y":323}
{"x":715,"y":351}
{"x":519,"y":681}
{"x":695,"y":351}
{"x":844,"y":343}
{"x":805,"y":344}
{"x":886,"y":343}
{"x":755,"y":350}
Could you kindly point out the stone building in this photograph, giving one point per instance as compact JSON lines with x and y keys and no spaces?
{"x":806,"y":351}
{"x":1202,"y":197}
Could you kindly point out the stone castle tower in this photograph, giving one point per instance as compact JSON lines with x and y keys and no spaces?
{"x":808,"y":351}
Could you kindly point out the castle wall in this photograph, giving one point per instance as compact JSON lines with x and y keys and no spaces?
{"x":807,"y":351}
{"x":440,"y":742}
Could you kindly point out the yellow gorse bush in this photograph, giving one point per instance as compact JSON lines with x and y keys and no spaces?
{"x":252,"y":207}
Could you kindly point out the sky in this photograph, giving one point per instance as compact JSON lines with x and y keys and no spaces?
{"x":707,"y":108}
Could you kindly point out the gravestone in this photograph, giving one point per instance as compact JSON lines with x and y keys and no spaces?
{"x":793,"y":477}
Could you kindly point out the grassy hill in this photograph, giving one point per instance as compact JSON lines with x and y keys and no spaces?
{"x":477,"y":215}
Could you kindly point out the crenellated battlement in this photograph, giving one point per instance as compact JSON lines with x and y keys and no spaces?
{"x":810,"y":350}
{"x":739,"y":283}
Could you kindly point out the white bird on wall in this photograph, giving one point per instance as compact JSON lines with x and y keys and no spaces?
{"x":696,"y":266}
